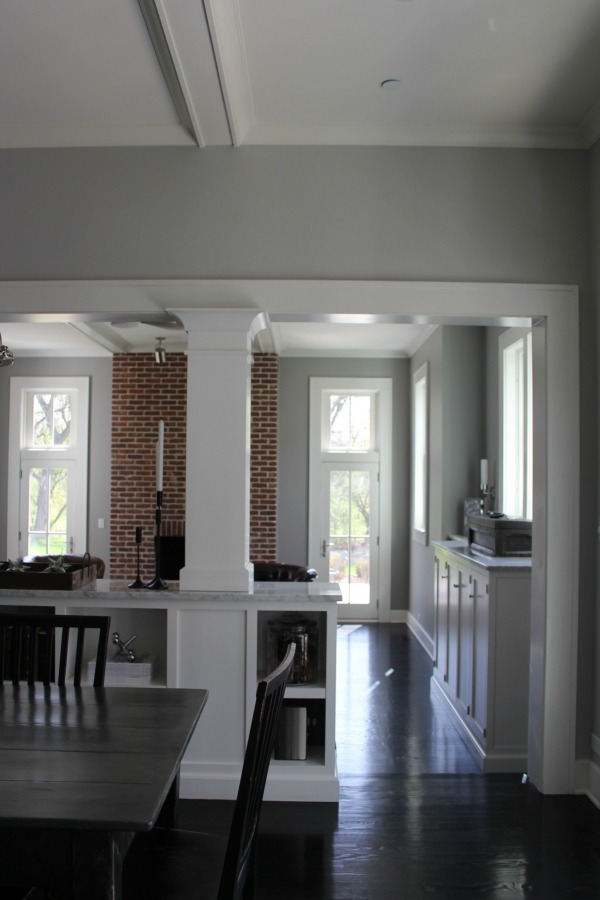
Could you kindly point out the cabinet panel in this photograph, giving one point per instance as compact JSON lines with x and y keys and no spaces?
{"x":212,"y":655}
{"x":454,"y":601}
{"x":464,"y":681}
{"x":441,"y":618}
{"x":481,"y":628}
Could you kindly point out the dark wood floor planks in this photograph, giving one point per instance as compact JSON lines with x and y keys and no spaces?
{"x":416,"y":820}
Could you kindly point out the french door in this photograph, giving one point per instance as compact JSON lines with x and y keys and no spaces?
{"x":46,"y":521}
{"x":350,"y":535}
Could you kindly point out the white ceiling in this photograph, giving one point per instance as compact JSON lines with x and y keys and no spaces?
{"x":494,"y":73}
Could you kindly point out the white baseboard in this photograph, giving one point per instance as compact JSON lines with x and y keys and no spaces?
{"x":587,"y":774}
{"x":421,"y":635}
{"x":214,"y":781}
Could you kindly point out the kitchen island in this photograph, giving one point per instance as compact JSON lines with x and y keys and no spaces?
{"x":219,"y":642}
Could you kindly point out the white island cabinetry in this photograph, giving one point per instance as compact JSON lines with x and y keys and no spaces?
{"x":218,"y":641}
{"x":481,"y":663}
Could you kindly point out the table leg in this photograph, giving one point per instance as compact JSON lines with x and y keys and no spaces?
{"x":98,"y":863}
{"x":167,"y":817}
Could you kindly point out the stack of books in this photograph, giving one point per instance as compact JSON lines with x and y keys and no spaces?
{"x":122,"y":671}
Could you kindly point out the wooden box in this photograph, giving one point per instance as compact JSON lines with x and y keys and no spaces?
{"x":499,"y":536}
{"x":34,"y":578}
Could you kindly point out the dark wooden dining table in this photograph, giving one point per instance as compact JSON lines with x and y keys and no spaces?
{"x":81,"y":771}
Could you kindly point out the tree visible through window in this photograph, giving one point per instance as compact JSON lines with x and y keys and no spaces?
{"x":48,"y":443}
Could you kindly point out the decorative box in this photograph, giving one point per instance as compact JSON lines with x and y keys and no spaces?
{"x":496,"y":535}
{"x":35,"y":578}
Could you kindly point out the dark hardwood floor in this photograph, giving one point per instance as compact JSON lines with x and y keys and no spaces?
{"x":416,"y":818}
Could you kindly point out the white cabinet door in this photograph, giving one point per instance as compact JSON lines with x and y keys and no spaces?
{"x":455,"y":588}
{"x":441,"y":617}
{"x":481,"y":632}
{"x":464,"y":680}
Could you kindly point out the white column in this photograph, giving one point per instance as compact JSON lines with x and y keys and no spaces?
{"x":217,"y":519}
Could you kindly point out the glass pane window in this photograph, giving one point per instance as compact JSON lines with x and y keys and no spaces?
{"x":47,"y":519}
{"x":350,"y":533}
{"x":517,"y":443}
{"x":420,"y":452}
{"x":52,"y":414}
{"x":349,"y":425}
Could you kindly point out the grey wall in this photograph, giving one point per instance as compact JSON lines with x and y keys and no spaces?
{"x":100,"y":373}
{"x":456,"y":367}
{"x":294,"y":383}
{"x":464,"y":417}
{"x":410,"y":213}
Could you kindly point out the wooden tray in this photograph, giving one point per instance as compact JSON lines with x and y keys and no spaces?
{"x":35,"y":579}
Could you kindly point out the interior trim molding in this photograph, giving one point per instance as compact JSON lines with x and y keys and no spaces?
{"x":162,"y":49}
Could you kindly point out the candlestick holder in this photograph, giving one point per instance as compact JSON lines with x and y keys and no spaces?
{"x":488,"y":492}
{"x":138,"y":583}
{"x":157,"y":584}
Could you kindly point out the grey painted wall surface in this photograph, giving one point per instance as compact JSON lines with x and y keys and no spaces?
{"x":447,"y":214}
{"x":410,"y":213}
{"x":99,"y":372}
{"x":294,"y":384}
{"x":456,"y":369}
{"x":463,"y":428}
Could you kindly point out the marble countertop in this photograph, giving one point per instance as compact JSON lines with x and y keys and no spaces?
{"x":269,"y":591}
{"x":461,"y":549}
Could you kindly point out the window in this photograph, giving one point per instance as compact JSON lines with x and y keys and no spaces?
{"x":420,"y":453}
{"x":516,"y":411}
{"x":348,"y":422}
{"x":47,"y":504}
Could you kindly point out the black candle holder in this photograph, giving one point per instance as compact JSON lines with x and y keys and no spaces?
{"x":157,"y":584}
{"x":138,"y":583}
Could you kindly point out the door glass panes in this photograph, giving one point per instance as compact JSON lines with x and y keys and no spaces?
{"x":47,"y":520}
{"x":349,"y":423}
{"x":349,"y":533}
{"x":52,"y":414}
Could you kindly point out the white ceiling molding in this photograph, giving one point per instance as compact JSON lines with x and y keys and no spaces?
{"x":154,"y":17}
{"x":224,"y":23}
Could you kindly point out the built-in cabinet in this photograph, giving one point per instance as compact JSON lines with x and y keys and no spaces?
{"x":481,"y":651}
{"x":220,"y":642}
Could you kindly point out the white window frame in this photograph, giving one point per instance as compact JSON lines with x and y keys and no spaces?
{"x":521,"y":506}
{"x":420,"y":455}
{"x":381,"y":389}
{"x":21,"y":389}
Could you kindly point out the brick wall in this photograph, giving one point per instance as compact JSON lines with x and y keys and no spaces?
{"x":263,"y":458}
{"x":144,"y":393}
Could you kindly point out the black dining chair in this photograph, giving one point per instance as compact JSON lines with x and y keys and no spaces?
{"x":171,"y":863}
{"x":28,"y":647}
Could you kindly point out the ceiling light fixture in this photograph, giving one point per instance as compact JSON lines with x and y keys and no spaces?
{"x":160,"y":354}
{"x":6,"y":356}
{"x":390,"y":84}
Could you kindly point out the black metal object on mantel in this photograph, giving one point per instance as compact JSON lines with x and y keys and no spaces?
{"x":138,"y":583}
{"x":157,"y":584}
